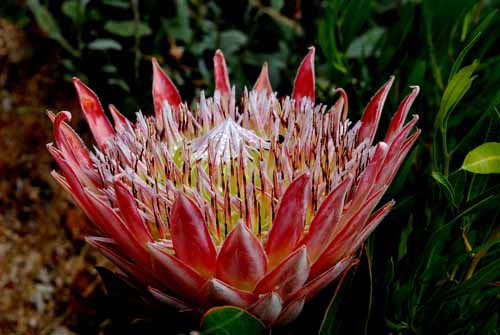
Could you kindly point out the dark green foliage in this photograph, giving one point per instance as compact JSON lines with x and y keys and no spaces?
{"x":433,"y":265}
{"x":442,"y":277}
{"x":109,"y":44}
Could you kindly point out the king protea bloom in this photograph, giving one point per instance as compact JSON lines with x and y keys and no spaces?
{"x":259,"y":203}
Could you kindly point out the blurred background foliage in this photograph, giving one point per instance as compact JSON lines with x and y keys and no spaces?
{"x":433,"y":267}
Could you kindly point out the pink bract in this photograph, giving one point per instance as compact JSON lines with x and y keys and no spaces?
{"x":259,"y":203}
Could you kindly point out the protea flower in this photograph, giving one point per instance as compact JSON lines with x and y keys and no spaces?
{"x":258,"y":204}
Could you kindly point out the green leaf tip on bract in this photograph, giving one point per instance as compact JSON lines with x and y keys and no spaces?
{"x":485,"y":159}
{"x":226,"y":320}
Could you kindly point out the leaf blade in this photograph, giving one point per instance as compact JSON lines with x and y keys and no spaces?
{"x":485,"y":159}
{"x":230,"y":320}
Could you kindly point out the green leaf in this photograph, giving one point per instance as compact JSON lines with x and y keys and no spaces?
{"x":127,"y":28}
{"x":364,"y":45}
{"x":49,"y":25}
{"x":462,"y":55}
{"x":104,"y":44}
{"x":355,"y":14}
{"x":44,"y":19}
{"x":205,"y":43}
{"x":232,"y":40}
{"x":482,"y":26}
{"x":70,"y":9}
{"x":179,"y":27}
{"x":227,"y":320}
{"x":459,"y":84}
{"x":443,"y":181}
{"x":484,"y":159}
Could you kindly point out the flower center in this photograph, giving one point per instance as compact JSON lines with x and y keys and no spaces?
{"x":234,"y":163}
{"x":227,"y":141}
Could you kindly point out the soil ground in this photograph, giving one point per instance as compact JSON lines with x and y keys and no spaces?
{"x":48,"y":281}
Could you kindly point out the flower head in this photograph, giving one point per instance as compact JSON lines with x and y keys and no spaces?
{"x":259,"y":203}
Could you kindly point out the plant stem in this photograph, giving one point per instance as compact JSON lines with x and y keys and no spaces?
{"x":446,"y":167}
{"x":481,"y":253}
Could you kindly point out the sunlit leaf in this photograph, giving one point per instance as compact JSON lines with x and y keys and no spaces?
{"x":459,"y":84}
{"x":484,"y":159}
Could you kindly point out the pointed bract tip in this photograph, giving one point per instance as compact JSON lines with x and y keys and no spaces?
{"x":120,"y":121}
{"x":188,"y":228}
{"x":345,"y":99}
{"x":155,"y":62}
{"x":114,"y":111}
{"x":163,"y":90}
{"x":221,"y":74}
{"x":303,"y":177}
{"x":62,"y":116}
{"x":58,"y":120}
{"x":383,"y":145}
{"x":371,"y":115}
{"x":51,"y":115}
{"x":117,"y":183}
{"x":181,"y":198}
{"x":415,"y":88}
{"x":156,"y":66}
{"x":304,"y":84}
{"x":94,"y":114}
{"x":263,"y":83}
